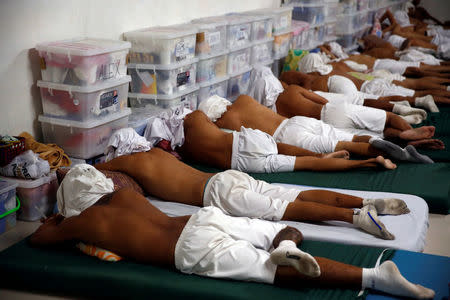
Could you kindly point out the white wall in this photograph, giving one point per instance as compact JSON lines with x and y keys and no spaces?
{"x":440,"y":9}
{"x":24,"y":23}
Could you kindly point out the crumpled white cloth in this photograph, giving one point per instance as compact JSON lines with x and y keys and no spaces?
{"x":214,"y":107}
{"x":125,"y":141}
{"x":168,"y":125}
{"x":356,"y":99}
{"x":265,"y":87}
{"x":337,"y":50}
{"x":386,"y":75}
{"x":82,"y":186}
{"x":402,"y":18}
{"x":341,"y":85}
{"x":418,"y":56}
{"x":355,"y":66}
{"x":384,"y":88}
{"x":313,"y":62}
{"x":27,"y":165}
{"x":396,"y":40}
{"x":394,"y":66}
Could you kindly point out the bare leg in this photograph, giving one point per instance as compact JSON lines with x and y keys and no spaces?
{"x":434,"y":93}
{"x":420,"y":84}
{"x":359,"y":148}
{"x":331,"y":198}
{"x":338,"y":164}
{"x":313,"y":211}
{"x":380,"y":104}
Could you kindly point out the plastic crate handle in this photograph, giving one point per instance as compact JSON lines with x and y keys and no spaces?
{"x":12,"y":210}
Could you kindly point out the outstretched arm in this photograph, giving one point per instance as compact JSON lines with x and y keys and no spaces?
{"x":57,"y":229}
{"x":313,"y":96}
{"x":339,"y":164}
{"x":286,"y":149}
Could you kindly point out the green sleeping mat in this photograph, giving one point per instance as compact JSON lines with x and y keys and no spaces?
{"x":66,"y":271}
{"x":428,"y":181}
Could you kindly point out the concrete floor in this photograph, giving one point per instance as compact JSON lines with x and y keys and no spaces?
{"x":437,"y":242}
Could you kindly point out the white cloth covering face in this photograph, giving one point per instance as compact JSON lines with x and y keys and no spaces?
{"x":214,"y":107}
{"x":312,"y":62}
{"x":240,"y":195}
{"x":337,"y":50}
{"x":82,"y":186}
{"x":265,"y":87}
{"x":125,"y":141}
{"x":341,"y":85}
{"x":219,"y":246}
{"x":384,"y":88}
{"x":394,"y":66}
{"x":344,"y":115}
{"x":168,"y":125}
{"x":256,"y":151}
{"x":311,"y":134}
{"x":402,"y":18}
{"x":418,"y":56}
{"x":386,"y":75}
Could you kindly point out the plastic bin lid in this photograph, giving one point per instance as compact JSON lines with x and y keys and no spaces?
{"x":6,"y":186}
{"x":266,"y":40}
{"x":208,"y":25}
{"x":235,"y":19}
{"x":163,"y":66}
{"x":240,"y":72}
{"x":208,"y":56}
{"x":299,"y":26}
{"x":164,"y":97}
{"x":289,"y":30}
{"x":257,"y":17}
{"x":247,"y":45}
{"x":140,"y":115}
{"x":84,"y":89}
{"x":213,"y":81}
{"x":274,"y":10}
{"x":86,"y":124}
{"x":30,"y":183}
{"x":83,"y":46}
{"x":164,"y":32}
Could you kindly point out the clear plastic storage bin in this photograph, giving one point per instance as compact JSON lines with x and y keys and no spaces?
{"x":211,"y":38}
{"x":299,"y":34}
{"x":262,"y":51}
{"x":187,"y":98}
{"x":262,"y":27}
{"x":311,"y":13}
{"x":239,"y":60}
{"x":162,"y":79}
{"x":331,"y":9}
{"x":351,"y":22}
{"x":213,"y":87}
{"x":162,"y":45}
{"x":84,"y":103}
{"x":350,"y":39}
{"x":212,"y":66}
{"x":37,"y":197}
{"x":347,"y":7}
{"x":282,"y":17}
{"x":282,"y":43}
{"x":238,"y":84}
{"x":7,"y":205}
{"x":82,"y":139}
{"x":83,"y":61}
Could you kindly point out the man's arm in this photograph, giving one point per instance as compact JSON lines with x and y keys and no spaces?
{"x":56,"y":229}
{"x":313,"y":97}
{"x":295,"y":151}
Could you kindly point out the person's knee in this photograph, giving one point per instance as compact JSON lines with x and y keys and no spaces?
{"x":288,"y":233}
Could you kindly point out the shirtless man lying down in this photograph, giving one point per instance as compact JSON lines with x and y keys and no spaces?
{"x":126,"y":223}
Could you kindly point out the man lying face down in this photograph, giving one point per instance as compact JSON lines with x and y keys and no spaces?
{"x":208,"y":243}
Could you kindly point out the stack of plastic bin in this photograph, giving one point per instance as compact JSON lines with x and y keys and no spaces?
{"x":163,"y":67}
{"x":352,"y":22}
{"x":331,"y":7}
{"x":8,"y":205}
{"x":84,"y":93}
{"x":211,"y":50}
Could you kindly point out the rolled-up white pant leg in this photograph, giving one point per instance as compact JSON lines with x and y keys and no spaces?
{"x":383,"y":88}
{"x":310,"y":134}
{"x":394,"y":66}
{"x":238,"y":194}
{"x":256,"y":151}
{"x":215,"y":245}
{"x":354,"y":116}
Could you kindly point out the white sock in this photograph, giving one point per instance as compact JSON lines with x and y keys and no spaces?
{"x":405,"y":111}
{"x":387,"y":278}
{"x":448,"y":88}
{"x":413,"y":119}
{"x":367,"y":220}
{"x":426,"y":102}
{"x":404,"y":103}
{"x":388,"y":206}
{"x":287,"y":254}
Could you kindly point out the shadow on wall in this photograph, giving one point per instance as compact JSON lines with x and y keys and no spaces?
{"x":35,"y":63}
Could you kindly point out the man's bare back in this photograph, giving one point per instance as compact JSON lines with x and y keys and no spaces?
{"x":133,"y":231}
{"x":186,"y":185}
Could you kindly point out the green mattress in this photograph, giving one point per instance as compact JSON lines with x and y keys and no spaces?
{"x":428,"y":181}
{"x":66,"y":271}
{"x":441,"y":121}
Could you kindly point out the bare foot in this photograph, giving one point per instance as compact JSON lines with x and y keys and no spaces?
{"x":428,"y":144}
{"x":424,"y":132}
{"x":337,"y":154}
{"x":387,"y":163}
